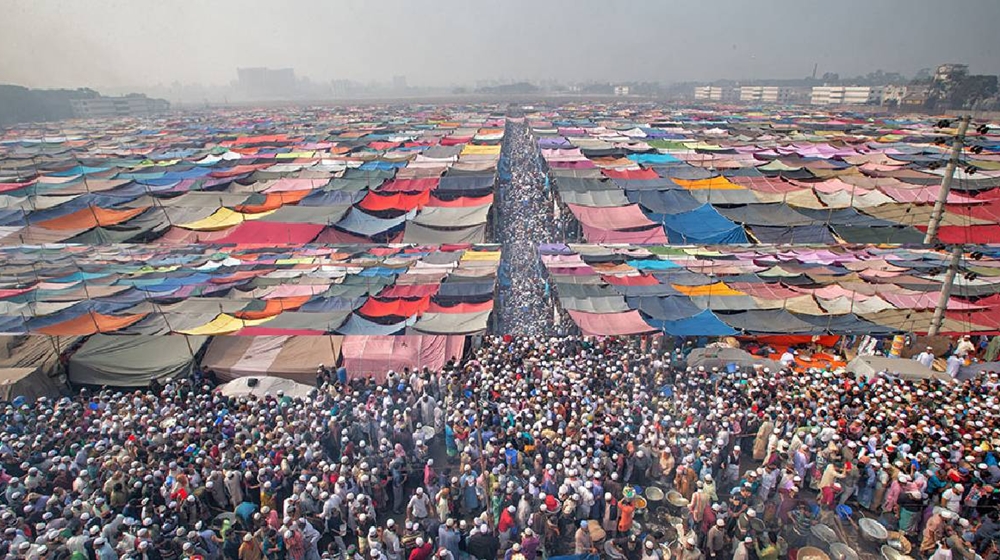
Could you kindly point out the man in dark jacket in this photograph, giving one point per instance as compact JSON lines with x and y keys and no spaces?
{"x":483,"y":545}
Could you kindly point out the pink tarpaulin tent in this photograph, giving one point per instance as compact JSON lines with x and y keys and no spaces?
{"x":610,"y":324}
{"x":615,"y":217}
{"x":376,"y":355}
{"x":653,"y":235}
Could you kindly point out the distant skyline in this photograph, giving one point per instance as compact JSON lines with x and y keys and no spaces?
{"x":145,"y":43}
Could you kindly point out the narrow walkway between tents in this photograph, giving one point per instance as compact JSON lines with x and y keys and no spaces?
{"x":523,"y":221}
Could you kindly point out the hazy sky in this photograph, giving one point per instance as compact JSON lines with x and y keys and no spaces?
{"x":70,"y":43}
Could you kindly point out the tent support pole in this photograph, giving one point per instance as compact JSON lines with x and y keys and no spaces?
{"x":949,"y":175}
{"x":949,"y":282}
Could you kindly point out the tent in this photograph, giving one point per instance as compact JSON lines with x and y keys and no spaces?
{"x":870,"y":366}
{"x":376,"y":355}
{"x":262,"y":386}
{"x":133,"y":361}
{"x":27,"y":382}
{"x":288,"y":357}
{"x":721,"y":357}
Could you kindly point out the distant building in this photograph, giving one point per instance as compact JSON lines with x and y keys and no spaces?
{"x":399,"y":83}
{"x":708,"y":93}
{"x":846,"y":95}
{"x":915,"y":96}
{"x":771,"y":94}
{"x":622,"y":91}
{"x":909,"y":95}
{"x":266,"y":82}
{"x":950,"y":72}
{"x":132,"y":105}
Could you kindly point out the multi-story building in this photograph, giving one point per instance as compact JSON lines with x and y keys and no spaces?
{"x":132,"y":105}
{"x":772,"y":94}
{"x":708,"y":93}
{"x":846,"y":95}
{"x":950,"y":72}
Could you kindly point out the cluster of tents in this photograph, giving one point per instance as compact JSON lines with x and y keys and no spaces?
{"x":282,"y":176}
{"x":653,"y":176}
{"x":33,"y":366}
{"x":203,"y":290}
{"x":767,"y":290}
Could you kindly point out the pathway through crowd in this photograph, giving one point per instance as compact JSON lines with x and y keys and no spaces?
{"x":523,"y":220}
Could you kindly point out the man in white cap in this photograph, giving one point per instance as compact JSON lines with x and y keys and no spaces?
{"x":419,"y":506}
{"x":926,"y":358}
{"x":715,"y":542}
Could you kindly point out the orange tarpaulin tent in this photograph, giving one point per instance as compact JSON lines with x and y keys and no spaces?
{"x":461,"y":307}
{"x":460,"y":202}
{"x":397,"y":201}
{"x":395,"y":307}
{"x":274,"y":306}
{"x":90,"y":323}
{"x":91,"y":217}
{"x":273,"y":201}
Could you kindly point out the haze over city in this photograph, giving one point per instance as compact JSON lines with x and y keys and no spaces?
{"x":137,"y":43}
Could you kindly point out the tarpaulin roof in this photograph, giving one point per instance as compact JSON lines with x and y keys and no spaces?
{"x":289,"y":357}
{"x":702,"y":225}
{"x":619,"y":218}
{"x":420,"y":234}
{"x":376,"y":355}
{"x":133,"y":361}
{"x":610,"y":324}
{"x":453,"y":323}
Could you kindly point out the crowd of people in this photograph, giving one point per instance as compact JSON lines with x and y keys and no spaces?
{"x":528,"y":447}
{"x":525,"y":306}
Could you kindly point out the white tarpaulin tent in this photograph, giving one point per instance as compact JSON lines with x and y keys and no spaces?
{"x":261,"y":386}
{"x":870,"y":366}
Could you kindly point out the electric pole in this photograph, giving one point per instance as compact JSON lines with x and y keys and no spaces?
{"x":949,"y":175}
{"x":932,"y":227}
{"x":949,"y":282}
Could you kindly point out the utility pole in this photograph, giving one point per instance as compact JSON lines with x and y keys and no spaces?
{"x":949,"y":174}
{"x":949,"y":281}
{"x":932,"y":227}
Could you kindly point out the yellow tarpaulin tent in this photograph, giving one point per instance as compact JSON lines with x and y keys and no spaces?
{"x":224,"y":324}
{"x":221,"y":219}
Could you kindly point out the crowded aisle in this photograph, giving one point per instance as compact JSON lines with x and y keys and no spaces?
{"x":529,"y":447}
{"x":524,"y":206}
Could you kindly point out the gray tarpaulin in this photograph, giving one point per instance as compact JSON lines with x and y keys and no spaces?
{"x":453,"y":323}
{"x":583,"y":184}
{"x":133,"y":361}
{"x":725,"y":196}
{"x":360,"y":223}
{"x":660,"y":184}
{"x":465,"y":290}
{"x":870,"y":366}
{"x":465,"y":183}
{"x":307,"y":214}
{"x":453,"y":217}
{"x":721,"y":357}
{"x":768,"y":322}
{"x":358,"y":325}
{"x":668,"y":308}
{"x":584,"y":290}
{"x":422,"y":235}
{"x":606,"y":304}
{"x":609,"y":198}
{"x":766,"y":215}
